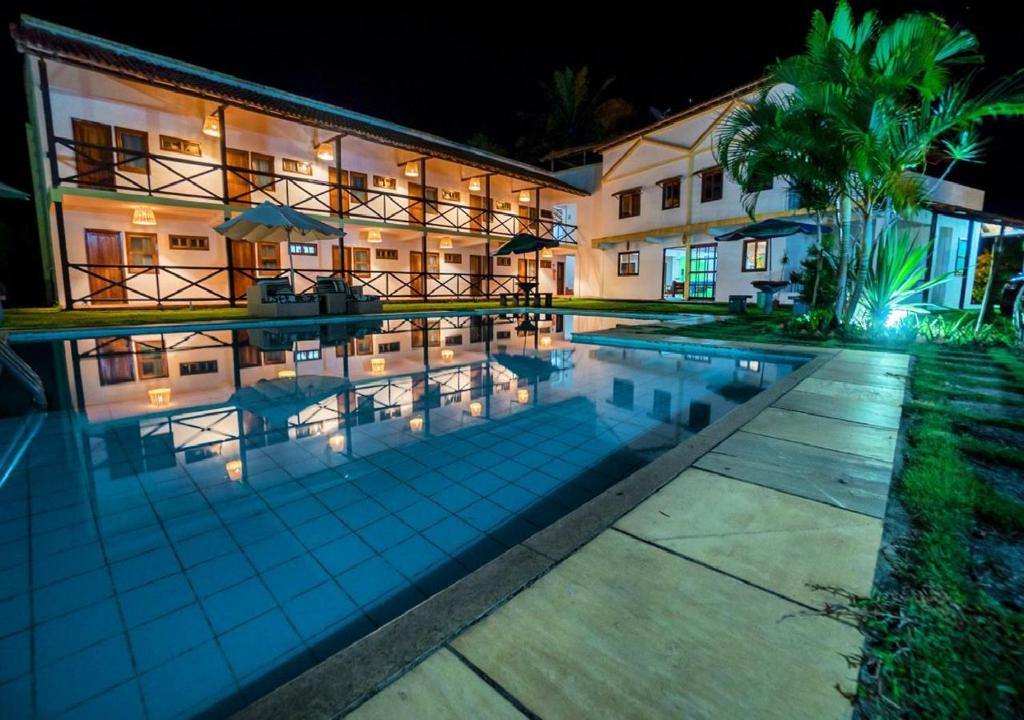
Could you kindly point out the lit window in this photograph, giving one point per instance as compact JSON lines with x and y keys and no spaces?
{"x":755,"y":255}
{"x":629,"y":263}
{"x":302,"y":248}
{"x":142,"y":252}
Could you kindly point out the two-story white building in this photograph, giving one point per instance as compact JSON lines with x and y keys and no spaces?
{"x":136,"y":157}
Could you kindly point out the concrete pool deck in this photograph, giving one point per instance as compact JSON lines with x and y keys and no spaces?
{"x":687,"y":594}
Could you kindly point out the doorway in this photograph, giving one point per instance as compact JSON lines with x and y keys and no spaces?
{"x":674,"y":274}
{"x":94,"y":154}
{"x":336,"y":261}
{"x":477,"y":274}
{"x":560,"y":278}
{"x":239,"y":181}
{"x":703,"y":271}
{"x":243,"y":256}
{"x":106,"y":284}
{"x":416,"y":268}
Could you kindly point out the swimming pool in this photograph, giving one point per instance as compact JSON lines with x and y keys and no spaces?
{"x":204,"y":514}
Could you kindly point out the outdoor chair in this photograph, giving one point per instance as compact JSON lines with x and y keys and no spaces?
{"x":337,"y":297}
{"x":274,"y":298}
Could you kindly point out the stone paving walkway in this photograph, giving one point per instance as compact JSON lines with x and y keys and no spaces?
{"x":696,"y":603}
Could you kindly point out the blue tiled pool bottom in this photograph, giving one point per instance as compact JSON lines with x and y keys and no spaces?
{"x":137,"y":579}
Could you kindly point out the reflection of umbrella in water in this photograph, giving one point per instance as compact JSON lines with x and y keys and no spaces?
{"x":736,"y":391}
{"x":527,"y":325}
{"x":525,"y":367}
{"x":279,"y":399}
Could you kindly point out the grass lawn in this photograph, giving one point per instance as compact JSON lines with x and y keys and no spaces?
{"x":54,"y":318}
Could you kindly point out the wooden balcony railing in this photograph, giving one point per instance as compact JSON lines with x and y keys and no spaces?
{"x":207,"y":284}
{"x":110,"y":168}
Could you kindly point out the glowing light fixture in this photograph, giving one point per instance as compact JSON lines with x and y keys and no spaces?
{"x":325,"y":151}
{"x":416,"y":424}
{"x":211,"y":125}
{"x":475,"y":409}
{"x":412,"y":169}
{"x":377,"y":365}
{"x":546,"y":253}
{"x":474,"y":184}
{"x":283,"y":374}
{"x":234,"y":469}
{"x":336,"y":443}
{"x":524,"y":196}
{"x":374,"y":236}
{"x":447,"y":354}
{"x":160,"y":397}
{"x":545,"y":342}
{"x":445,"y":243}
{"x":523,"y":395}
{"x":143,"y":216}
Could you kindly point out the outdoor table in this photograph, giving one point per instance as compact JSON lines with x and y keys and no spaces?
{"x":768,"y":289}
{"x":527,"y":288}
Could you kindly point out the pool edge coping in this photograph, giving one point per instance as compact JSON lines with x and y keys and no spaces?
{"x":338,"y":684}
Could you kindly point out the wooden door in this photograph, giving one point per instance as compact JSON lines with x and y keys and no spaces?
{"x":338,"y":199}
{"x":103,"y":247}
{"x":560,"y":278}
{"x":416,"y":267}
{"x":476,"y":212}
{"x":239,"y":181}
{"x":416,"y":203}
{"x":114,"y":360}
{"x":94,"y":154}
{"x":336,"y":261}
{"x":243,"y":257}
{"x":477,"y":273}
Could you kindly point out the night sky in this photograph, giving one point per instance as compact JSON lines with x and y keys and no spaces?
{"x":454,"y":70}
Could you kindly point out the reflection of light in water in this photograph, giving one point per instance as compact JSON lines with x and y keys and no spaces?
{"x":159,"y":397}
{"x":283,"y":374}
{"x":336,"y":442}
{"x":234,"y":468}
{"x":377,"y":365}
{"x":416,"y":424}
{"x":545,"y":342}
{"x":523,"y":395}
{"x":475,"y":409}
{"x":447,"y":355}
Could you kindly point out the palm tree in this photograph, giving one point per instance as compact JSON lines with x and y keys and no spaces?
{"x":887,"y":98}
{"x":577,"y":112}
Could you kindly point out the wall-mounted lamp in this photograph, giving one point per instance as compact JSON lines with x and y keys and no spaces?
{"x":546,"y":253}
{"x":234,"y":469}
{"x":374,"y":236}
{"x":474,"y":185}
{"x":336,"y":443}
{"x":377,"y":365}
{"x":524,"y":196}
{"x":416,"y":424}
{"x":211,"y":125}
{"x":445,"y":243}
{"x":447,"y":354}
{"x":475,"y":409}
{"x":325,"y":151}
{"x":160,"y":397}
{"x":412,"y":169}
{"x":522,"y":396}
{"x":143,"y":216}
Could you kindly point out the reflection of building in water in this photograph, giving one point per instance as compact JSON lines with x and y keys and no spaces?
{"x":353,"y":389}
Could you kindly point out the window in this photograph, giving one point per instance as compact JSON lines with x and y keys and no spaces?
{"x":453,"y":340}
{"x":755,"y":255}
{"x":142,"y":252}
{"x":364,"y":345}
{"x":263,"y":171}
{"x":793,"y":200}
{"x":272,"y":357}
{"x":304,"y":355}
{"x":302,"y":248}
{"x":132,"y":146}
{"x":751,"y":365}
{"x":629,"y":203}
{"x":178,"y":145}
{"x":198,"y":367}
{"x":703,"y":271}
{"x":361,"y":262}
{"x":188,"y":242}
{"x":386,"y":254}
{"x":358,"y":183}
{"x":629,"y":263}
{"x":960,"y":264}
{"x":711,"y":184}
{"x":299,"y":167}
{"x":389,"y":347}
{"x":504,"y":334}
{"x":150,"y":359}
{"x":453,"y":258}
{"x":671,"y":192}
{"x":503,"y":261}
{"x":387,"y":183}
{"x":268,"y":258}
{"x":545,"y":264}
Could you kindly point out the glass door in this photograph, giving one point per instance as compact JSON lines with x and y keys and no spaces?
{"x":703,"y":271}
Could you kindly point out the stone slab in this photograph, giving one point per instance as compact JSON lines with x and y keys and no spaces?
{"x":852,"y":438}
{"x":867,"y":412}
{"x":439,"y":687}
{"x":776,"y":541}
{"x":839,"y":479}
{"x":836,"y":388}
{"x":862,"y":374}
{"x":622,"y":629}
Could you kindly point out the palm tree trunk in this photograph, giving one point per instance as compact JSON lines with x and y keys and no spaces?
{"x":846,"y":212}
{"x":821,"y":260}
{"x":866,"y":237}
{"x":986,"y":301}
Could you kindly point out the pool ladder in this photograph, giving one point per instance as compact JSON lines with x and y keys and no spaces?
{"x":22,"y":372}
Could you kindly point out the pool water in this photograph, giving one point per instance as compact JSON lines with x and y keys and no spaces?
{"x":203,"y":515}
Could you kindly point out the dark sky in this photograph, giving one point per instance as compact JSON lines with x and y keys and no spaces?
{"x":453,"y":69}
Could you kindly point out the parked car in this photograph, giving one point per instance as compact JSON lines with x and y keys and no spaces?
{"x":1011,"y":290}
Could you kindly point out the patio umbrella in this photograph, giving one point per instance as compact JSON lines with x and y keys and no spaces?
{"x":279,"y":399}
{"x":766,"y":229}
{"x":276,"y":223}
{"x":525,"y":243}
{"x":9,"y":193}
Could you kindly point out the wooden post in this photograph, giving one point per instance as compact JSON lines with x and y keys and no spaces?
{"x":423,"y":217}
{"x":227,"y":213}
{"x":341,"y":207}
{"x":62,"y":244}
{"x":487,"y":233}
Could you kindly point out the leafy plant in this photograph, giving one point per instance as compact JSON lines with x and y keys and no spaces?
{"x":958,"y":331}
{"x":895,"y":273}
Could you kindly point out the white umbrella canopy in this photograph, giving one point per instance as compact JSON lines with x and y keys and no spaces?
{"x":270,"y":222}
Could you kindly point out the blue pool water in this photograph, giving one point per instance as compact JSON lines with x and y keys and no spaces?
{"x":203,"y":515}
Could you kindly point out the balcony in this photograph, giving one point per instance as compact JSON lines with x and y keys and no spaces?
{"x":145,"y":173}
